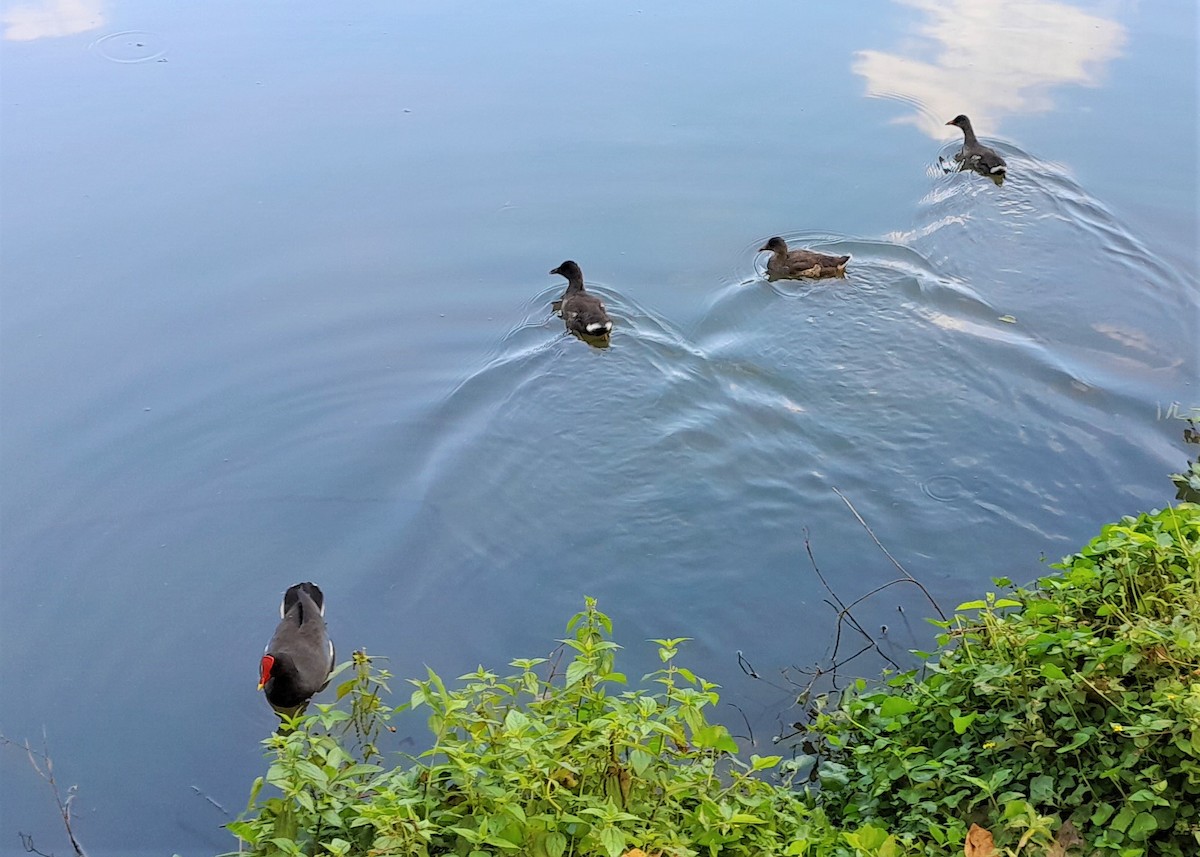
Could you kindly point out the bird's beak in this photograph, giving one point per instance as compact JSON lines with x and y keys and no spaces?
{"x":555,"y":271}
{"x":261,"y":685}
{"x":949,"y":123}
{"x":760,"y":249}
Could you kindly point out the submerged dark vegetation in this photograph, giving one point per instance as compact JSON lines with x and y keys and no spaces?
{"x":1059,"y":718}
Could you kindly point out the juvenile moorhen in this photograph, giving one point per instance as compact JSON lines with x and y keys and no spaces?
{"x":974,"y":155}
{"x":786,"y":264}
{"x":298,"y":660}
{"x":583,"y":313}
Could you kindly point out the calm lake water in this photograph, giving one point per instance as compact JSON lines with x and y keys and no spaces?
{"x":275,"y":308}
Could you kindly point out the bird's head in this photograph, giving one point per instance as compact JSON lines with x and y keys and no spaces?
{"x":569,"y":270}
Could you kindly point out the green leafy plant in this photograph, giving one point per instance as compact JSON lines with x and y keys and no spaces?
{"x":1187,"y":483}
{"x":567,"y":764}
{"x":1076,"y":700}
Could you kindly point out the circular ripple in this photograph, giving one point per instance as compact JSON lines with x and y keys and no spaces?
{"x":130,"y":46}
{"x":944,"y":488}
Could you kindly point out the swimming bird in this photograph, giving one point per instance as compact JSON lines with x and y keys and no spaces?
{"x":974,"y":154}
{"x":583,"y":313}
{"x":786,"y":264}
{"x":297,"y":662}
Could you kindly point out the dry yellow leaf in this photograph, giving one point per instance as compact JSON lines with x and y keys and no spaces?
{"x":979,"y":843}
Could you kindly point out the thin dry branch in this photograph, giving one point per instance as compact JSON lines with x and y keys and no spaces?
{"x":843,"y":615}
{"x":44,"y":766}
{"x":908,"y":577}
{"x":828,"y":671}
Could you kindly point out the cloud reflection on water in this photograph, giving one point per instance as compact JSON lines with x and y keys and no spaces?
{"x":24,"y":22}
{"x":990,"y":59}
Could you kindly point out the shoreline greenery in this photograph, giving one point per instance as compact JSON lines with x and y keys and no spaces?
{"x":1075,"y":700}
{"x":1061,"y":718}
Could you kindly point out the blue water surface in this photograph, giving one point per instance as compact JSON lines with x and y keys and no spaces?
{"x":275,"y":308}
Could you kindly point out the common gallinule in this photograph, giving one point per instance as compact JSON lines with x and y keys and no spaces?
{"x":974,"y":155}
{"x":583,"y":313}
{"x":786,"y":264}
{"x":298,"y":660}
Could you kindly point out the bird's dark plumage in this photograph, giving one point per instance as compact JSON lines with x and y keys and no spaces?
{"x":298,"y":660}
{"x":582,"y":312}
{"x":786,"y":264}
{"x":974,"y":155}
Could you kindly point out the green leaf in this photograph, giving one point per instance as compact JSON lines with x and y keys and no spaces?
{"x":1081,"y":737}
{"x":762,"y":763}
{"x":1143,"y":825}
{"x":613,"y":841}
{"x":962,"y":724}
{"x":640,"y":760}
{"x":500,"y":842}
{"x":1041,"y":789}
{"x":1049,"y":670}
{"x":555,"y":844}
{"x":971,"y":605}
{"x":1124,"y":818}
{"x":244,"y":831}
{"x":894,"y":706}
{"x":746,"y":818}
{"x":1006,"y":602}
{"x":515,"y":721}
{"x":287,"y":846}
{"x":713,"y":736}
{"x":472,"y":836}
{"x":577,"y":669}
{"x":868,"y":838}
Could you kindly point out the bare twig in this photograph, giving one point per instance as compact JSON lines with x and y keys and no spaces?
{"x":44,"y":766}
{"x":27,"y":844}
{"x":746,"y":720}
{"x":843,"y":615}
{"x":827,"y":673}
{"x":746,"y":666}
{"x":210,"y":799}
{"x":888,"y":554}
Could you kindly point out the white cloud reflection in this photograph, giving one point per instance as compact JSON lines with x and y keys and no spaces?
{"x":24,"y":22}
{"x":990,"y":59}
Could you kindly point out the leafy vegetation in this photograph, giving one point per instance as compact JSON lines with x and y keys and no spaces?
{"x":1187,"y":484}
{"x":536,"y":766}
{"x":1055,"y":718}
{"x":1077,"y":700}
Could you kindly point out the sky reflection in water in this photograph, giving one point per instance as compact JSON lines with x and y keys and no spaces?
{"x":991,"y":59}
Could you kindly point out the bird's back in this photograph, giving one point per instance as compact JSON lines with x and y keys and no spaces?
{"x":585,"y":313}
{"x":302,"y":636}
